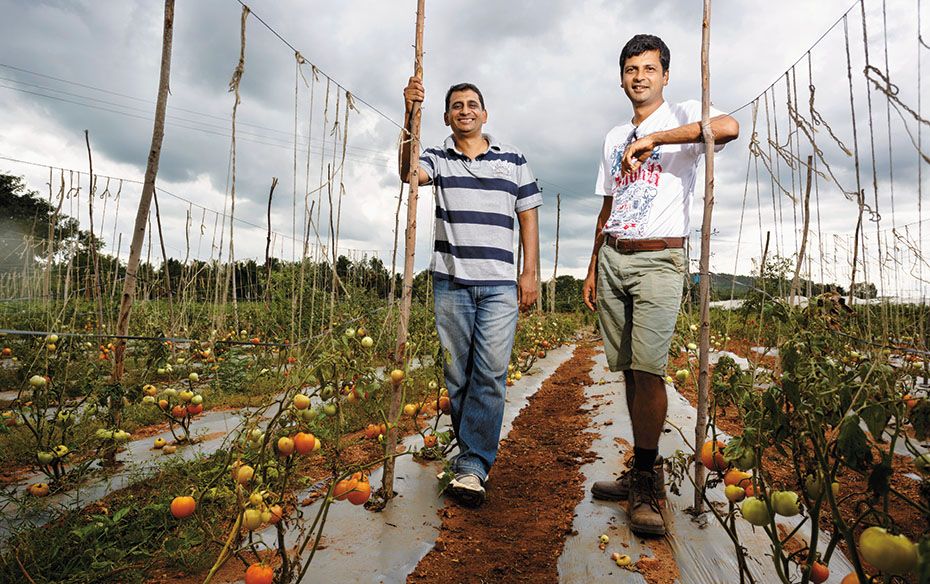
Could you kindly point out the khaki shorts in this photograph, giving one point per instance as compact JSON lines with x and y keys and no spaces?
{"x":638,"y":297}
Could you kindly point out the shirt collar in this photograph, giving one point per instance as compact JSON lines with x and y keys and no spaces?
{"x":648,"y":126}
{"x":449,"y":145}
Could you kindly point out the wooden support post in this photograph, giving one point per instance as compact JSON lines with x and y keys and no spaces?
{"x":267,"y":294}
{"x":387,"y":484}
{"x":148,"y":188}
{"x":555,"y":264}
{"x":700,"y":429}
{"x":98,"y":293}
{"x":796,"y":281}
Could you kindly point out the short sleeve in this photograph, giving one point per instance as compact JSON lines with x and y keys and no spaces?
{"x":428,"y":163}
{"x":603,"y":187}
{"x":691,"y":113}
{"x":528,"y":194}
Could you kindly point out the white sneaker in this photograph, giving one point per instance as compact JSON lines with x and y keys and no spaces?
{"x":468,"y":488}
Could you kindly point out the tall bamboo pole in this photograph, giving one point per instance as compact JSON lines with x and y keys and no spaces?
{"x":700,"y":428}
{"x":98,"y":294}
{"x":796,"y":281}
{"x":148,"y":187}
{"x":555,"y":264}
{"x":410,"y":243}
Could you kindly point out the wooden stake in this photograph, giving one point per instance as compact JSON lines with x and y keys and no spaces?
{"x":148,"y":188}
{"x":795,"y":283}
{"x":98,"y":294}
{"x":555,"y":264}
{"x":274,"y":183}
{"x":410,"y":243}
{"x":164,"y":257}
{"x":700,"y":428}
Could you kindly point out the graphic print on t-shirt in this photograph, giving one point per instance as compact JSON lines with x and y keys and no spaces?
{"x":633,"y":194}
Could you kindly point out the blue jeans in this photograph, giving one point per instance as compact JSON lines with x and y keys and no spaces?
{"x":476,"y":326}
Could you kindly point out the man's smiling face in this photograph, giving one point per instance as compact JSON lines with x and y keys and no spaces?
{"x":643,"y":78}
{"x":465,"y":115}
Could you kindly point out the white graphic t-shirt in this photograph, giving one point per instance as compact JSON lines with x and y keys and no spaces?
{"x":655,"y":201}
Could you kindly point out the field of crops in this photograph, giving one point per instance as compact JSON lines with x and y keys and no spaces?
{"x":194,"y":391}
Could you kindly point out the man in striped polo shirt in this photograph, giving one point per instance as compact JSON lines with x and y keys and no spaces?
{"x":482,"y":187}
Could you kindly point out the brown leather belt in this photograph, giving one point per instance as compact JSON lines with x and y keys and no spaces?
{"x":634,"y":245}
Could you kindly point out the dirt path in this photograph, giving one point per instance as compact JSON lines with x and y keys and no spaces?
{"x":518,"y":535}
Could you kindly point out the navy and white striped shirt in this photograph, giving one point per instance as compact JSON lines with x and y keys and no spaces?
{"x":476,"y":206}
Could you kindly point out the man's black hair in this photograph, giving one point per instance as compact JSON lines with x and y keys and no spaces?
{"x":642,"y":43}
{"x":463,"y":87}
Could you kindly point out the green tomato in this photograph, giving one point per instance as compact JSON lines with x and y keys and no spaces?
{"x":368,"y":342}
{"x":197,"y":400}
{"x":894,"y":554}
{"x":350,"y":333}
{"x":734,"y":493}
{"x":37,"y":381}
{"x":329,"y":409}
{"x":61,"y":450}
{"x":252,"y":519}
{"x":785,"y":503}
{"x":45,"y":457}
{"x":813,"y":486}
{"x":327,"y":392}
{"x":755,"y":512}
{"x":171,"y":392}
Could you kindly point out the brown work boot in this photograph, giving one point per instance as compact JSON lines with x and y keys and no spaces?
{"x":619,"y":489}
{"x":643,"y":505}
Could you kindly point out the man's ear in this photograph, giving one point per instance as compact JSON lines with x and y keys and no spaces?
{"x":445,"y":118}
{"x":665,"y":78}
{"x":484,"y":116}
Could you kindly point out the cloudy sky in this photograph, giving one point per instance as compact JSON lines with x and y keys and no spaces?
{"x":549,"y":73}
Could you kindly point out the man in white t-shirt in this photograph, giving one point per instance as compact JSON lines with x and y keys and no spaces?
{"x":646,"y":178}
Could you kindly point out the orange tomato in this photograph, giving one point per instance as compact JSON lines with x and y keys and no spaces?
{"x":343,"y":488}
{"x":304,"y":443}
{"x":430,"y":440}
{"x":195,"y":409}
{"x":178,"y":411}
{"x":276,"y":514}
{"x":850,"y":578}
{"x":182,"y":507}
{"x":819,"y":573}
{"x":445,"y":404}
{"x":259,"y":574}
{"x":712,"y":456}
{"x":38,"y":489}
{"x":737,"y":477}
{"x":360,"y":494}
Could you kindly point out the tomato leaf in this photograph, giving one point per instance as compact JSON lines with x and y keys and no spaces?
{"x":876,"y":418}
{"x":879,"y":479}
{"x":920,"y":419}
{"x":852,"y":444}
